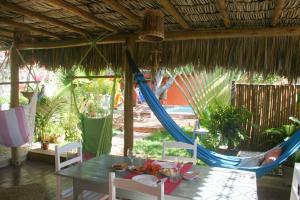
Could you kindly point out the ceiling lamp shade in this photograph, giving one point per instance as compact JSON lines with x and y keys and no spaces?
{"x":153,"y":26}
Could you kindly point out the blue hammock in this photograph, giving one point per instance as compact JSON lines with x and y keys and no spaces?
{"x":211,"y":158}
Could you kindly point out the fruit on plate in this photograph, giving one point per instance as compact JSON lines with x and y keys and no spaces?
{"x":139,"y":170}
{"x":120,"y":166}
{"x":166,"y":171}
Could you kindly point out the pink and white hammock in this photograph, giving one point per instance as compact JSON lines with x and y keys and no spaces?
{"x":17,"y":124}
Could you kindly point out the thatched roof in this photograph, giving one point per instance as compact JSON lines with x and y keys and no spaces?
{"x":254,"y":35}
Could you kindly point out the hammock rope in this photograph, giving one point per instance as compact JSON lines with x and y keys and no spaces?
{"x":211,"y":158}
{"x":96,"y":132}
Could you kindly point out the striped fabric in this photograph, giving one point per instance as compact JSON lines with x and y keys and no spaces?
{"x":17,"y":124}
{"x":30,"y":111}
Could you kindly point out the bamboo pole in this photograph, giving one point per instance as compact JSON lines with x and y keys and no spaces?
{"x":27,"y":27}
{"x":175,"y":13}
{"x":233,"y":93}
{"x":20,"y":82}
{"x":128,"y":101}
{"x":83,"y":14}
{"x":14,"y":96}
{"x":124,"y":11}
{"x":96,"y":76}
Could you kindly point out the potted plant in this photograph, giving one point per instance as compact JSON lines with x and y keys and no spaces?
{"x":46,"y":110}
{"x":226,"y":122}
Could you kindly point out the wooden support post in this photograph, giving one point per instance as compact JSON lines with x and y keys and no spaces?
{"x":233,"y":92}
{"x":128,"y":102}
{"x":14,"y":96}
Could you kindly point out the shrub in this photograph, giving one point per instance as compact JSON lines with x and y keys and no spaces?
{"x":226,"y":125}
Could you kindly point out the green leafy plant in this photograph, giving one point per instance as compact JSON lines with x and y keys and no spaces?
{"x":226,"y":125}
{"x":278,"y":135}
{"x":47,"y":108}
{"x":201,"y":88}
{"x":90,"y":96}
{"x":3,"y":100}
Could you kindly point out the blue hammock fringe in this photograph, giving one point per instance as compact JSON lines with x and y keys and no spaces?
{"x":211,"y":158}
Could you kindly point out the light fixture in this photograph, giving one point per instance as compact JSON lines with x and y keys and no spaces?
{"x":153,"y":26}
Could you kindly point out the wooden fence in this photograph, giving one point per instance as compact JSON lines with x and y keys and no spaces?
{"x":270,"y":105}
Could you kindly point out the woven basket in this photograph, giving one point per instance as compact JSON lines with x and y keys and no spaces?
{"x":153,"y":26}
{"x":28,"y":95}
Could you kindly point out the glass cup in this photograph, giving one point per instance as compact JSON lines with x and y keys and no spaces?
{"x":130,"y":156}
{"x":174,"y":176}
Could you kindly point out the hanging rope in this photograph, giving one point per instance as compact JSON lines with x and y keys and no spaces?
{"x":29,"y":69}
{"x":4,"y":62}
{"x":105,"y":123}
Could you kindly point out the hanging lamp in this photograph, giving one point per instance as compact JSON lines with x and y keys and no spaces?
{"x":153,"y":26}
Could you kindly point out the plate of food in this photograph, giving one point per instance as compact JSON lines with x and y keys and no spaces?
{"x":120,"y":167}
{"x":139,"y":170}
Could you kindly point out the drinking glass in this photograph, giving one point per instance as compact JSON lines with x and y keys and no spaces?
{"x":130,"y":155}
{"x":174,"y":177}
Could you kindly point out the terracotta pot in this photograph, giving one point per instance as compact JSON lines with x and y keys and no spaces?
{"x":45,"y":145}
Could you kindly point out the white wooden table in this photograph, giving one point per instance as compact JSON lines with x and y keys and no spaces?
{"x":213,"y":183}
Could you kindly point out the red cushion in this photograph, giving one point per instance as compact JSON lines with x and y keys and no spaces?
{"x":272,"y":155}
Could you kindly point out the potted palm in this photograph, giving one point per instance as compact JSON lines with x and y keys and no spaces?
{"x":46,"y":109}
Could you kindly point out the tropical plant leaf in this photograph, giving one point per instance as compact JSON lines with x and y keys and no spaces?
{"x":202,"y":88}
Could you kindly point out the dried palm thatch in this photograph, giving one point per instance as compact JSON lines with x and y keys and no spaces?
{"x":275,"y":55}
{"x":264,"y":55}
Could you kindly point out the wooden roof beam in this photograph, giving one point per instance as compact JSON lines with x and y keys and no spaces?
{"x":18,"y":9}
{"x":83,"y":14}
{"x":277,"y":12}
{"x":28,"y":28}
{"x":170,"y":8}
{"x":7,"y":33}
{"x":123,"y":11}
{"x":221,"y":7}
{"x":172,"y":36}
{"x":5,"y":37}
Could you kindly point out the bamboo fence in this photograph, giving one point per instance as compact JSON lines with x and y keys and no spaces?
{"x":270,"y":105}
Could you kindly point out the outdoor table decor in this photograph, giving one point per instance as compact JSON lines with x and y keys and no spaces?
{"x":155,"y":168}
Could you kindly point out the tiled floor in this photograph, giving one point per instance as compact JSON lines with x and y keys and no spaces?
{"x":269,"y":188}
